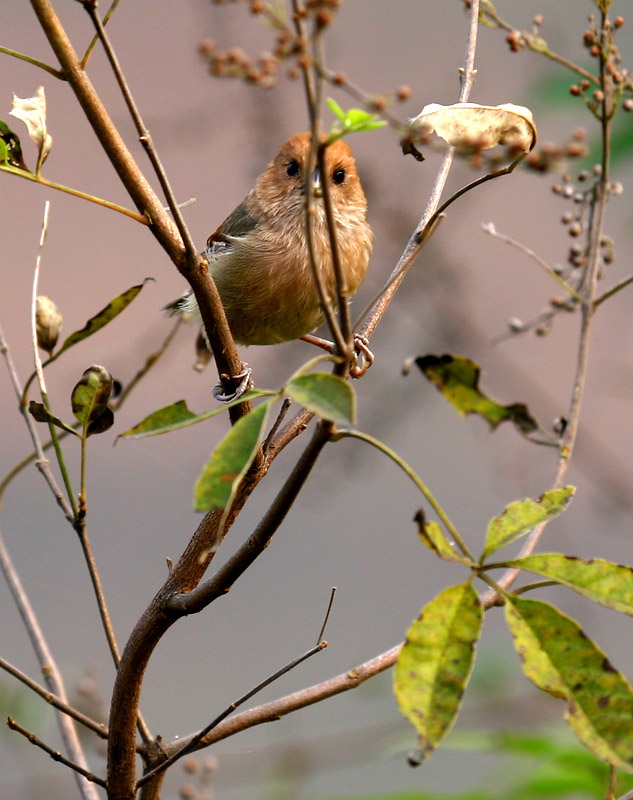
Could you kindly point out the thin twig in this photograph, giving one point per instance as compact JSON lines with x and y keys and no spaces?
{"x":41,"y":462}
{"x":31,"y":176}
{"x":95,"y":38}
{"x":56,"y":73}
{"x":195,"y":740}
{"x":55,"y":754}
{"x":416,"y":242}
{"x":276,"y":709}
{"x":61,"y":462}
{"x":313,"y":88}
{"x":430,"y":497}
{"x":587,"y":312}
{"x":490,"y":229}
{"x":327,"y":615}
{"x":52,"y":676}
{"x":614,"y":290}
{"x":538,"y":45}
{"x":144,"y":134}
{"x":56,"y":702}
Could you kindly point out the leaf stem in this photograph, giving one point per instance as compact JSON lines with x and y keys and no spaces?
{"x":30,"y":176}
{"x":365,"y":437}
{"x":51,"y":70}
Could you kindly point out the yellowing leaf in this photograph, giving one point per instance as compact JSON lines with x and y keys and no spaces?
{"x":435,"y":663}
{"x":433,"y":537}
{"x":561,"y":660}
{"x":458,"y":380}
{"x":524,"y":515}
{"x":465,"y":124}
{"x":602,"y":581}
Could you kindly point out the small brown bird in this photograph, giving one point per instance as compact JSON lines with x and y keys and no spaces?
{"x":259,"y":258}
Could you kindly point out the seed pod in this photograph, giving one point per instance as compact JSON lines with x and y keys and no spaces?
{"x":48,"y":323}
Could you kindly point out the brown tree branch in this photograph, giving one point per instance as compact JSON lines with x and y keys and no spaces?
{"x":98,"y":728}
{"x":55,"y":754}
{"x":194,"y":270}
{"x":269,"y":712}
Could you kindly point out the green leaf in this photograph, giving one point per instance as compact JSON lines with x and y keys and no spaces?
{"x":328,"y":396}
{"x":435,"y":663}
{"x":10,"y":148}
{"x":100,"y":320}
{"x":562,"y":661}
{"x":433,"y":537}
{"x":40,"y":414}
{"x":602,"y":581}
{"x":177,"y":415}
{"x":458,"y":380}
{"x":335,"y":108}
{"x":524,"y":515}
{"x":230,"y":460}
{"x":354,"y":120}
{"x":89,"y":400}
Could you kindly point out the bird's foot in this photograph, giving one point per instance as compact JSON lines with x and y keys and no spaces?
{"x":242,"y":383}
{"x":364,"y":356}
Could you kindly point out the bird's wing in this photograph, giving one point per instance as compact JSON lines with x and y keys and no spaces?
{"x":238,"y":224}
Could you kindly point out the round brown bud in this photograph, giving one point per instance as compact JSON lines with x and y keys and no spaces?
{"x":538,"y":20}
{"x":594,"y":50}
{"x":403,"y":93}
{"x":206,"y":47}
{"x":618,"y":22}
{"x":576,"y":150}
{"x":598,"y":95}
{"x":584,"y":85}
{"x":627,"y":104}
{"x":575,"y":229}
{"x":574,"y":90}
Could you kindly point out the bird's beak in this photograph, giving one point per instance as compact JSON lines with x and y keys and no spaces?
{"x":316,"y":183}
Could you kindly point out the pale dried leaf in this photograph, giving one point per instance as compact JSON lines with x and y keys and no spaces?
{"x":32,"y":112}
{"x":468,"y":124}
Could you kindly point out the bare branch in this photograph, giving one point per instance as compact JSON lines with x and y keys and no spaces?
{"x":54,"y":754}
{"x":96,"y":727}
{"x":269,"y":712}
{"x":193,"y":743}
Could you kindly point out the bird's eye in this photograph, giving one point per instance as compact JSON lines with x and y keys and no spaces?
{"x":338,"y":176}
{"x":292,"y":168}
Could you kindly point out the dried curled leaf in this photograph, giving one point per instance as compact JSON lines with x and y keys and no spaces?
{"x":470,"y":124}
{"x":89,"y":400}
{"x":457,"y":378}
{"x":32,"y":112}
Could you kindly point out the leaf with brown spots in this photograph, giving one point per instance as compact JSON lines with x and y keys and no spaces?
{"x":602,"y":581}
{"x":435,"y":663}
{"x":561,"y":660}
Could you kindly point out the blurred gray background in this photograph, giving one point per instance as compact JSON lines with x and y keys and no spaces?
{"x":352,"y":527}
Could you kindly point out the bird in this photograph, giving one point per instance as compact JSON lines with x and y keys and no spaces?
{"x":259,"y":257}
